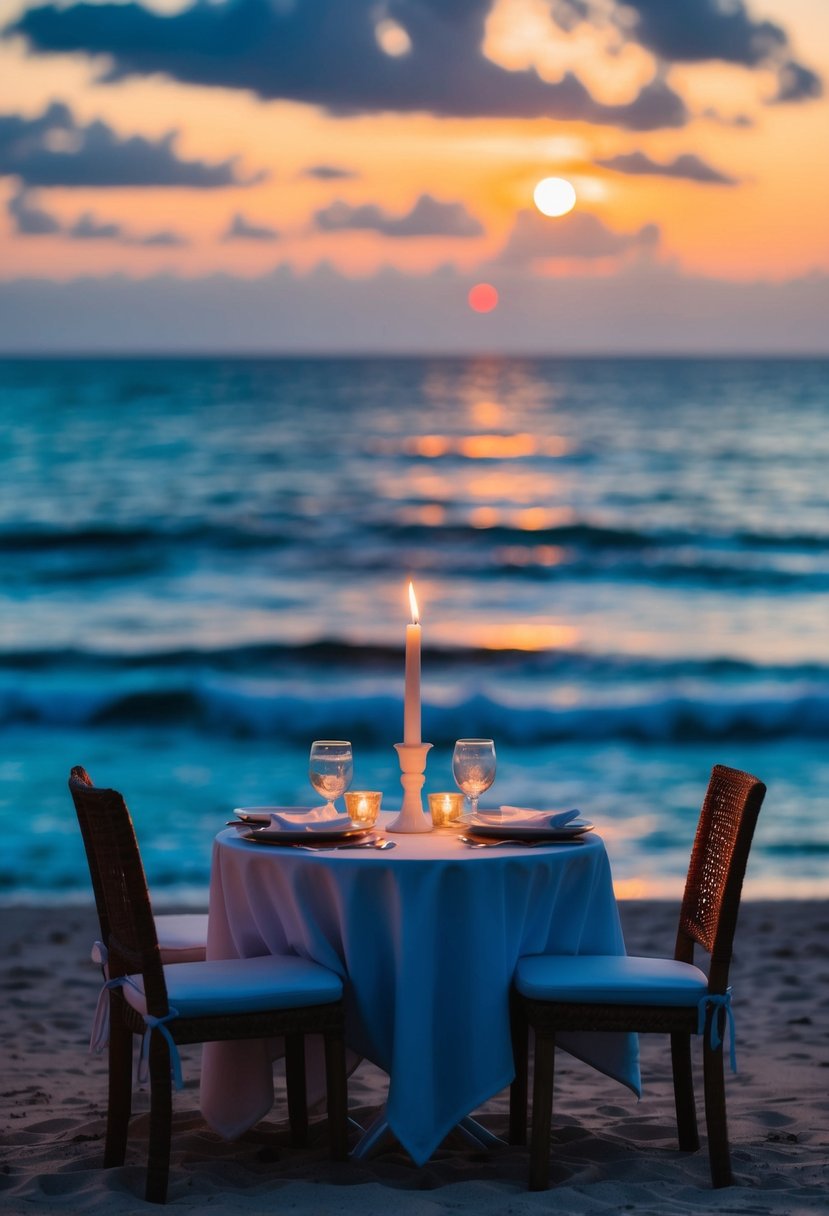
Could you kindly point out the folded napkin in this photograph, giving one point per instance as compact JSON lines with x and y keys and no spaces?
{"x":316,"y":819}
{"x":523,"y":816}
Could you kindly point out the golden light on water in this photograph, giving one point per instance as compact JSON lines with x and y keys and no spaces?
{"x":531,"y":555}
{"x":429,"y":515}
{"x":431,"y":445}
{"x":485,"y":517}
{"x":534,"y":519}
{"x":489,"y":446}
{"x":497,"y":447}
{"x":554,"y":196}
{"x":522,"y":635}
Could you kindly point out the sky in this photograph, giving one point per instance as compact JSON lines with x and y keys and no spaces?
{"x":296,"y":176}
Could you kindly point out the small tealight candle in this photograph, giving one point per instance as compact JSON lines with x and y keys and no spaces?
{"x":446,"y":810}
{"x":363,"y":806}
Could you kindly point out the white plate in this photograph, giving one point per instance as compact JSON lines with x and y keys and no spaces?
{"x":520,"y":831}
{"x":302,"y":836}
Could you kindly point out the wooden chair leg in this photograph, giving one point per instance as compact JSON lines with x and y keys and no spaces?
{"x":161,"y":1121}
{"x":336,"y":1082}
{"x":715,"y":1116}
{"x":518,"y":1090}
{"x":297,"y":1090}
{"x":686,"y":1112}
{"x":119,"y":1103}
{"x":542,"y":1120}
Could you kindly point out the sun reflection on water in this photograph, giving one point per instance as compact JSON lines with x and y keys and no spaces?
{"x":490,"y":445}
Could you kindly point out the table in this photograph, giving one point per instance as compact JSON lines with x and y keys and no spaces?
{"x":426,"y":937}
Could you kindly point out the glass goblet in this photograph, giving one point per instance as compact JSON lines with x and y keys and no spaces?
{"x":473,"y":767}
{"x":330,"y":768}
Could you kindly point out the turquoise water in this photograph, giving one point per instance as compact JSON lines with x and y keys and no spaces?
{"x":621,"y":564}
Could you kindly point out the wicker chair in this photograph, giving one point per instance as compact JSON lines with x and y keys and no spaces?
{"x":182,"y":937}
{"x":194,"y":1002}
{"x":668,"y":996}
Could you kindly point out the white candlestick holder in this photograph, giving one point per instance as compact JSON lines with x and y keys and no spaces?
{"x":412,"y":757}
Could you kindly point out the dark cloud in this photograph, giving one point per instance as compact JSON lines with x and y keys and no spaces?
{"x":88,"y":228}
{"x":242,"y":229}
{"x":327,"y":53}
{"x":700,"y":31}
{"x":428,"y":217}
{"x":733,"y":120}
{"x":166,"y":239}
{"x":28,"y":218}
{"x":328,"y":173}
{"x":53,"y":149}
{"x":796,"y":83}
{"x":688,"y":167}
{"x":535,"y":238}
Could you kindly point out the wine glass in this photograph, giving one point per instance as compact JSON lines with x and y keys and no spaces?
{"x":473,"y":767}
{"x":330,"y":768}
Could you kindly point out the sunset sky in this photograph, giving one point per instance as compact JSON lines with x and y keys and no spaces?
{"x":338,"y":174}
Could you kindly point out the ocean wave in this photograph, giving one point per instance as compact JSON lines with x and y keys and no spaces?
{"x":368,"y":719}
{"x":576,"y":534}
{"x":344,"y":654}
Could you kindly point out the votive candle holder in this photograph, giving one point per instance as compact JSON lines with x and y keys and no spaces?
{"x":445,"y":809}
{"x":363,"y":806}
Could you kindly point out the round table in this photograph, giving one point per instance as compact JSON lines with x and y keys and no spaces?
{"x":426,"y":937}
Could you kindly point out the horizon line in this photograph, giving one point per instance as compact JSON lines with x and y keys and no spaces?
{"x":51,"y":353}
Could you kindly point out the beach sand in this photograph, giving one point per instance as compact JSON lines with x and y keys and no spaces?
{"x":611,"y":1153}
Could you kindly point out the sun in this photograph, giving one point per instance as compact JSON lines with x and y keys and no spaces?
{"x":483,"y":297}
{"x":554,"y":196}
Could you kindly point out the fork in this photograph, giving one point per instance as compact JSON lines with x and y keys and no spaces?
{"x":382,"y":843}
{"x":524,"y":844}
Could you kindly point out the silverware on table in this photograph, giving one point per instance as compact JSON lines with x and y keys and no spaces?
{"x":377,"y":842}
{"x":381,"y":843}
{"x":524,"y":844}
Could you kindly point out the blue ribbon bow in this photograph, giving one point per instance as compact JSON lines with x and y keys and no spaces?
{"x":175,"y":1058}
{"x":100,"y":1032}
{"x":718,"y":1000}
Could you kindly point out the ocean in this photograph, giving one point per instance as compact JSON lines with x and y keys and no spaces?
{"x":622,"y":567}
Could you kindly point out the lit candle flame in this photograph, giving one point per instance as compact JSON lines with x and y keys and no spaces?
{"x":413,"y":603}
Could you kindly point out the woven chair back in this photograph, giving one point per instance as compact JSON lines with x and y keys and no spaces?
{"x":79,"y":779}
{"x":708,"y":916}
{"x":118,"y":871}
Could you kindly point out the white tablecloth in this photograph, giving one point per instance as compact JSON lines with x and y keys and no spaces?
{"x":426,"y":937}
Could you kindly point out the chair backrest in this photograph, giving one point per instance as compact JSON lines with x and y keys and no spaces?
{"x":708,"y":916}
{"x":79,"y":778}
{"x":120,"y":887}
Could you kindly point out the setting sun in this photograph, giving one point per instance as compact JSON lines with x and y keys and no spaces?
{"x":554,"y":196}
{"x":483,"y":297}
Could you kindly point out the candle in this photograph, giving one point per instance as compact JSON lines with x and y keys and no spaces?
{"x":411,"y":701}
{"x":446,"y":809}
{"x":363,"y":806}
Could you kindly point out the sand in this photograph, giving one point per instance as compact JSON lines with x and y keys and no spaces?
{"x":611,"y":1153}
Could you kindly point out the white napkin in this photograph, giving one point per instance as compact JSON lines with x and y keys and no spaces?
{"x":523,"y":816}
{"x":318,"y":818}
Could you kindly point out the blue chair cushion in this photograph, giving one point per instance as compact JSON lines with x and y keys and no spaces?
{"x":241,"y":985}
{"x":610,"y":980}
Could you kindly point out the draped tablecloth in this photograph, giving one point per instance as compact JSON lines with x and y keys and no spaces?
{"x":426,"y":937}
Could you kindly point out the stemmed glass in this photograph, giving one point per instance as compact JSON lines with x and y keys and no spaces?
{"x":331,"y":768}
{"x":473,"y":767}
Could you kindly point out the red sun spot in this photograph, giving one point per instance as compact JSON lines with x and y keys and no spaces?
{"x":483,"y":297}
